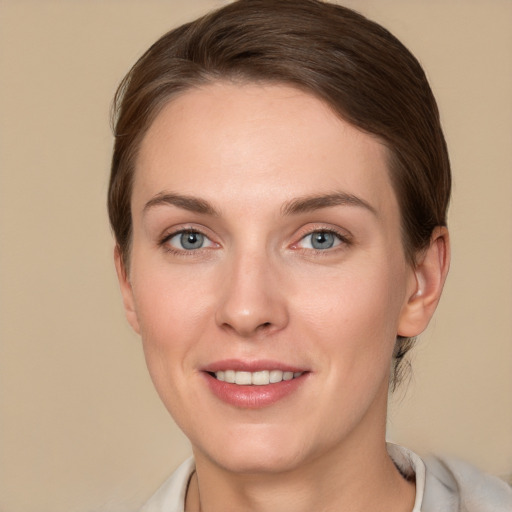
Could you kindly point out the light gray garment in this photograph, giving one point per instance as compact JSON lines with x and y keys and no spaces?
{"x":452,"y":485}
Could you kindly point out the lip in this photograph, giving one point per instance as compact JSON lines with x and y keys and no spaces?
{"x":240,"y":365}
{"x":252,"y":397}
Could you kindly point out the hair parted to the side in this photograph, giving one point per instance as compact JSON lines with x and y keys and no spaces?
{"x":351,"y":63}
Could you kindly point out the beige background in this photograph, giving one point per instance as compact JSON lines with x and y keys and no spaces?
{"x":81,"y":427}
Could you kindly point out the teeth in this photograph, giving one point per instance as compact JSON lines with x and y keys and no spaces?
{"x":229,"y":376}
{"x":243,"y":378}
{"x":276,"y":376}
{"x":261,"y":378}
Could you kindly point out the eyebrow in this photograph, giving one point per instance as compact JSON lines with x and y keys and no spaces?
{"x":190,"y":203}
{"x":316,"y":202}
{"x":294,"y":207}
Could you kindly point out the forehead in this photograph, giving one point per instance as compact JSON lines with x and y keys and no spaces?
{"x":258,"y":139}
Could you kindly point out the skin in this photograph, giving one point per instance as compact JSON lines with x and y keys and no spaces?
{"x":257,"y":289}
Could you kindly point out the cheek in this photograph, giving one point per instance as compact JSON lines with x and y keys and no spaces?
{"x":367,"y":298}
{"x":167,"y":297}
{"x":353,"y":318}
{"x":172,"y":318}
{"x":172,"y":312}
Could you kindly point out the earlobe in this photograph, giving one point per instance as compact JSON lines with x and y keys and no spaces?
{"x":126,"y":290}
{"x":430,"y":275}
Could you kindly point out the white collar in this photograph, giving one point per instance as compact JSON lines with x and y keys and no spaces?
{"x":412,"y":467}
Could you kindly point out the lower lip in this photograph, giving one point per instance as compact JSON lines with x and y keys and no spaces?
{"x":253,"y":397}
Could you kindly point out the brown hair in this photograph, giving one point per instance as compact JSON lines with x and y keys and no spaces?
{"x":353,"y":64}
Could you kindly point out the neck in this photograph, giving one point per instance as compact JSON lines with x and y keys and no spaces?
{"x":357,"y":475}
{"x":376,"y":485}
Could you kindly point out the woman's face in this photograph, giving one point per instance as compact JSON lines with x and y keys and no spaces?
{"x":266,"y":244}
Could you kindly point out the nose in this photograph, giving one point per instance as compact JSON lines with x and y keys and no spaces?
{"x":252,"y":299}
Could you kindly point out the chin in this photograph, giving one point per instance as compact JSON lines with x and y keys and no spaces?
{"x":257,"y":449}
{"x":259,"y":460}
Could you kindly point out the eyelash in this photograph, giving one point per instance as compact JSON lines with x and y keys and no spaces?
{"x":343,"y":239}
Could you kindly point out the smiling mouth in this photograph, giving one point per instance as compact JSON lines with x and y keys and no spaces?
{"x":253,"y":384}
{"x":260,"y":378}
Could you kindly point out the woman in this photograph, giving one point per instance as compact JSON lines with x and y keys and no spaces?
{"x":278,"y":195}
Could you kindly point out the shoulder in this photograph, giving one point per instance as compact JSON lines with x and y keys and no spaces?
{"x":170,"y":497}
{"x":452,"y":485}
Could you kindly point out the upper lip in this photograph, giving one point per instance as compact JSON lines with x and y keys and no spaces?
{"x":240,"y":365}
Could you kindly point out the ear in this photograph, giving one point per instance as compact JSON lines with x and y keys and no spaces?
{"x":126,"y":290}
{"x":429,"y":276}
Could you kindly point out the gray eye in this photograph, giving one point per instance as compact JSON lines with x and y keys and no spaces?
{"x":191,"y":240}
{"x":322,"y":240}
{"x":188,"y":241}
